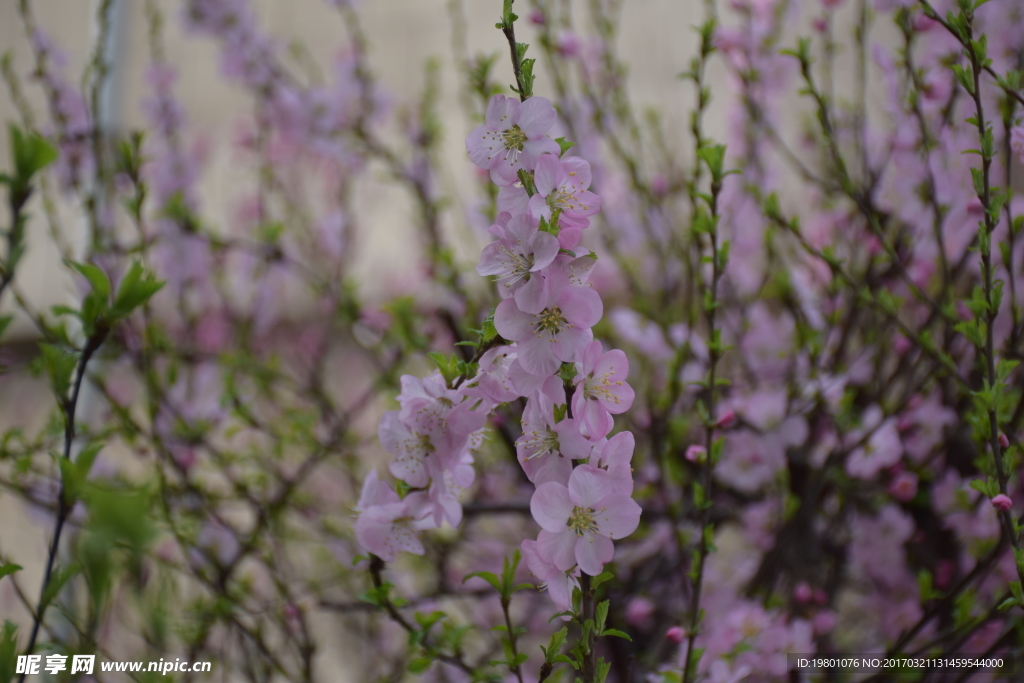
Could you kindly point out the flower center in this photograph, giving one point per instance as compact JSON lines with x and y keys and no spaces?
{"x":564,"y":198}
{"x":582,"y":520}
{"x":601,"y":387}
{"x":539,"y":443}
{"x":517,"y":266}
{"x":550,"y":321}
{"x":513,"y":138}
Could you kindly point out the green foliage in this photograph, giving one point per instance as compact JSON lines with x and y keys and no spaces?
{"x":8,"y":652}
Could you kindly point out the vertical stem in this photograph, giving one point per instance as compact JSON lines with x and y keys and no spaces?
{"x":587,"y":608}
{"x":714,"y":354}
{"x":985,"y":247}
{"x":68,"y":406}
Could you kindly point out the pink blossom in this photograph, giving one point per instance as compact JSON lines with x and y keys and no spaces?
{"x":639,"y":612}
{"x":516,"y":258}
{"x":602,"y":391}
{"x":558,"y":584}
{"x":696,"y":453}
{"x":562,"y":186}
{"x":446,"y":485}
{"x":559,"y":333}
{"x":676,"y":634}
{"x":581,"y":520}
{"x":751,"y":461}
{"x":903,"y":487}
{"x":546,"y":446}
{"x":614,"y":452}
{"x":513,"y":137}
{"x":1002,"y":502}
{"x":389,"y":528}
{"x":726,"y":420}
{"x":493,"y":382}
{"x":882,"y":449}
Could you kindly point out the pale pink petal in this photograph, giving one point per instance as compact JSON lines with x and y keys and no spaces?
{"x":502,"y":112}
{"x":571,"y":443}
{"x":514,"y":200}
{"x":548,"y":176}
{"x":533,"y":150}
{"x":536,"y":116}
{"x":512,"y":323}
{"x":618,"y":515}
{"x":581,"y":306}
{"x":532,"y":297}
{"x":578,"y":172}
{"x":593,"y":552}
{"x":545,"y":248}
{"x":569,"y":345}
{"x":536,"y":354}
{"x":588,"y":486}
{"x":551,"y":506}
{"x":558,"y":548}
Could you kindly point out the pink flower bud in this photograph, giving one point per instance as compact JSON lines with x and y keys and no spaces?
{"x":639,"y":612}
{"x":696,"y":453}
{"x":820,"y":596}
{"x":903,"y":487}
{"x":1003,"y":441}
{"x":676,"y":634}
{"x":803,"y":593}
{"x":820,"y":24}
{"x":1002,"y":502}
{"x":537,"y":17}
{"x":726,"y":420}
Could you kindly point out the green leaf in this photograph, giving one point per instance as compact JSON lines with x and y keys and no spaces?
{"x":30,"y":153}
{"x":7,"y":570}
{"x":136,"y":288}
{"x":486,"y":576}
{"x":5,"y":320}
{"x":8,"y":652}
{"x":60,"y":576}
{"x":604,"y":577}
{"x":420,"y":664}
{"x":601,"y":615}
{"x":616,"y":633}
{"x":59,"y":365}
{"x":564,"y":145}
{"x":98,"y":280}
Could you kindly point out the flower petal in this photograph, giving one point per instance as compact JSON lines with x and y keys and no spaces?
{"x":551,"y":506}
{"x":558,"y":548}
{"x":593,"y":552}
{"x":617,"y":516}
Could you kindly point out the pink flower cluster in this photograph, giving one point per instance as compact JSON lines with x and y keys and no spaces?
{"x":584,"y":481}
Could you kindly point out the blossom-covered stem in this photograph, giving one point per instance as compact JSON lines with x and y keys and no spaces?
{"x":68,"y":406}
{"x":980,"y":570}
{"x":985,"y":194}
{"x":707,"y":221}
{"x":857,"y":193}
{"x":934,"y":15}
{"x":928,"y":347}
